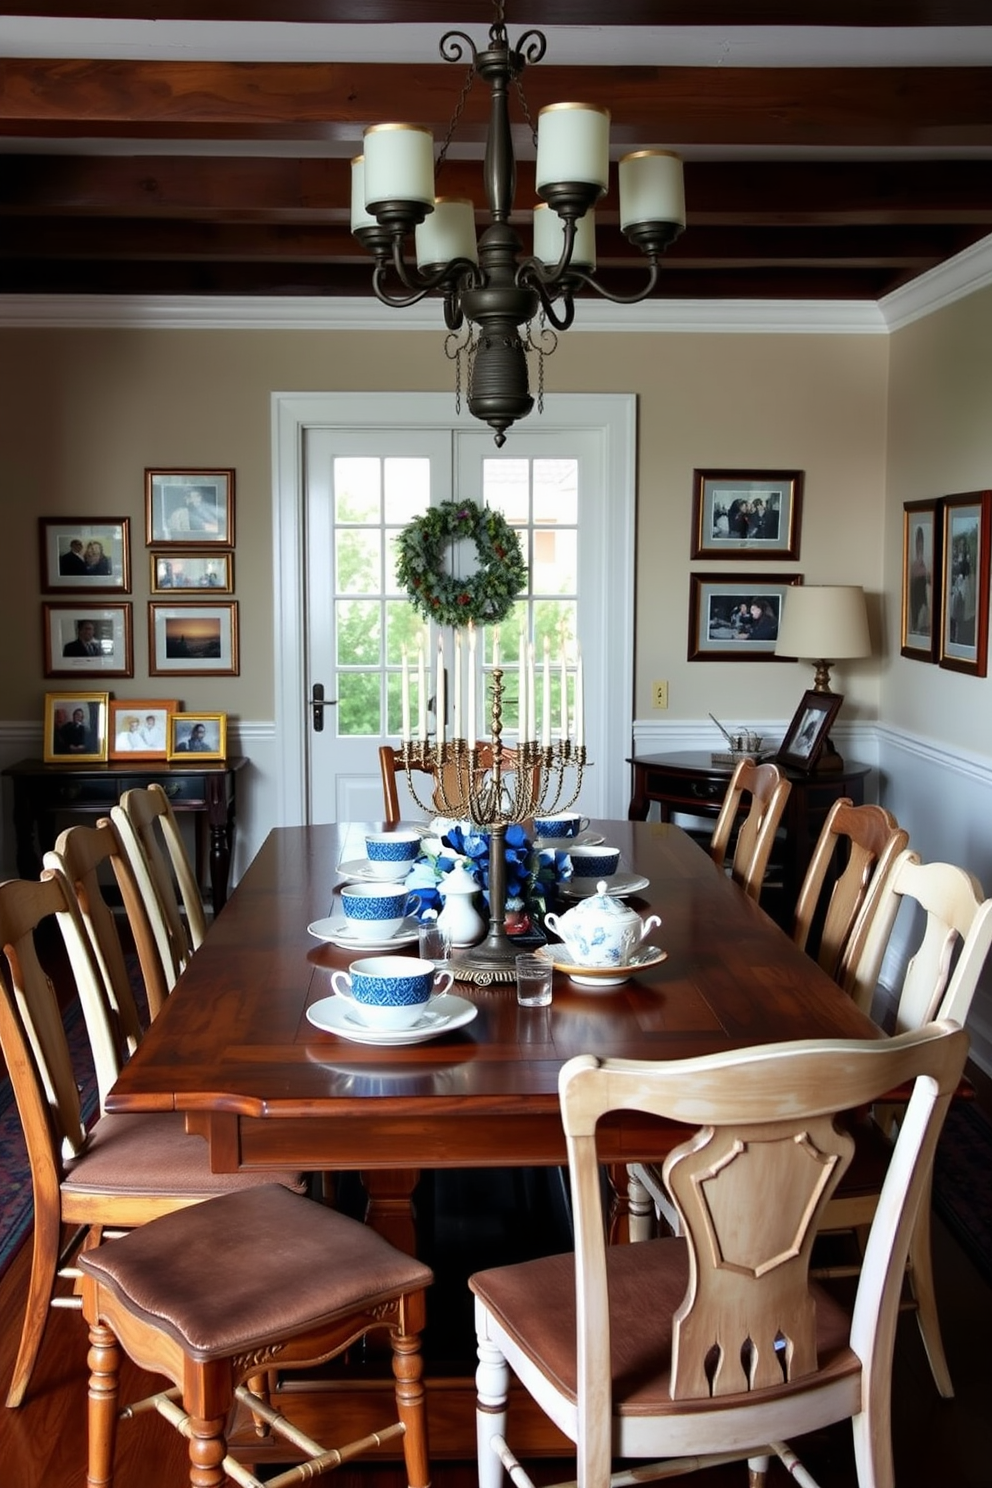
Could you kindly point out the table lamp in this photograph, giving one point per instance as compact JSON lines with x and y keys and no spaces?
{"x":825,"y":621}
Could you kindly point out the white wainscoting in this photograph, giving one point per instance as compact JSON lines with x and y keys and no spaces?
{"x":941,"y":795}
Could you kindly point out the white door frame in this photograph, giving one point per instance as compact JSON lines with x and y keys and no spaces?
{"x":612,"y":691}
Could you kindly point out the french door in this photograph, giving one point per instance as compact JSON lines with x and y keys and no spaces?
{"x":565,"y":486}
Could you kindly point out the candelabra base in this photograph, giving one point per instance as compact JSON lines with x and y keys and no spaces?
{"x":493,"y":960}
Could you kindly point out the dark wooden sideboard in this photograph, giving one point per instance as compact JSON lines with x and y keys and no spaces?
{"x":43,"y":792}
{"x":690,"y":783}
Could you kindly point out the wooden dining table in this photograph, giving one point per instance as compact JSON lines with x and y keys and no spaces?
{"x":234,"y":1050}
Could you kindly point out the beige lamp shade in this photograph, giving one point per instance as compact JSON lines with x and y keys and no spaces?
{"x":824,"y":623}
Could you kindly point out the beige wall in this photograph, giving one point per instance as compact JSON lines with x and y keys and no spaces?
{"x":83,"y":412}
{"x":940,"y":442}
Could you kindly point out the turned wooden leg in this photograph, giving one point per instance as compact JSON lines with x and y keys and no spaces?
{"x":207,"y":1449}
{"x":104,"y":1360}
{"x":411,"y":1405}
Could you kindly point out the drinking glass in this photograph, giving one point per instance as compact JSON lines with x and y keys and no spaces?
{"x":434,"y":942}
{"x":534,"y":976}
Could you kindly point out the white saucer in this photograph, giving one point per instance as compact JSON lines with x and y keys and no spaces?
{"x":603,"y":976}
{"x":336,"y":930}
{"x":617,"y":884}
{"x":562,"y":844}
{"x":334,"y":1015}
{"x":360,"y":870}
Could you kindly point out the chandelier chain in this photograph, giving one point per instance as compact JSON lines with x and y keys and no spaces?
{"x":456,"y":116}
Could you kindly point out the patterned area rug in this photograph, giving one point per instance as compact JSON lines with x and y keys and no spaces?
{"x":962,"y":1186}
{"x":16,"y":1202}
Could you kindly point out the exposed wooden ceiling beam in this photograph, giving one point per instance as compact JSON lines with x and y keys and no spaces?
{"x":903,"y":106}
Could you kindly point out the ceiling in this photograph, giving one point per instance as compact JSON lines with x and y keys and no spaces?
{"x":834,"y":149}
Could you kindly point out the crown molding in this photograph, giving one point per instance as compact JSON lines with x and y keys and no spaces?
{"x":962,"y":275}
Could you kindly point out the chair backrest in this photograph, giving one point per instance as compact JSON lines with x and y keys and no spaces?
{"x":768,"y":790}
{"x":941,"y":976}
{"x":443,"y":793}
{"x":84,"y":854}
{"x":152,"y":842}
{"x":33,"y":1038}
{"x":750,"y":1185}
{"x":871,"y":839}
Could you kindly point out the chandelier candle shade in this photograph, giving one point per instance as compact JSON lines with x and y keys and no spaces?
{"x":474,"y":784}
{"x":490,"y":284}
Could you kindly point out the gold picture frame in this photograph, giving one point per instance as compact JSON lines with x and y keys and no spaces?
{"x":201,"y":736}
{"x":75,"y":727}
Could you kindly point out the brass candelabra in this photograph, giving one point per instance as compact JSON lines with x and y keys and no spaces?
{"x":492,"y":787}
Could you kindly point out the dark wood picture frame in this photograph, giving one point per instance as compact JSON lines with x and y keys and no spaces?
{"x":807,"y":733}
{"x":69,"y":562}
{"x":922,"y":547}
{"x":189,"y":508}
{"x":717,"y":623}
{"x":964,"y":606}
{"x":197,"y":639}
{"x":726,"y":523}
{"x":68,"y":628}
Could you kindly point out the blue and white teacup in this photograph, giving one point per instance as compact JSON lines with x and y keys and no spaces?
{"x":390,"y":992}
{"x":376,"y":911}
{"x":391,"y":854}
{"x":563,"y":824}
{"x":594,"y":862}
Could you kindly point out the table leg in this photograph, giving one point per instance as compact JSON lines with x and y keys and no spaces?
{"x":220,"y":816}
{"x":390,"y":1205}
{"x":639,"y":803}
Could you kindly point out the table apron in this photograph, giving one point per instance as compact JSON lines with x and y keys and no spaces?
{"x":336,"y":1143}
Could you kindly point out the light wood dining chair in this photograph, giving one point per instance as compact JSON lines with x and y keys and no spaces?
{"x":89,"y":857}
{"x":152,"y":841}
{"x":953,"y":936}
{"x":717,"y":1346}
{"x":767,"y":791}
{"x":206,"y":1296}
{"x":118,"y":1173}
{"x":840,"y":902}
{"x":392,"y":772}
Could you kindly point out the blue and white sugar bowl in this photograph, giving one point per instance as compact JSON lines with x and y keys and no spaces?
{"x":601,"y":930}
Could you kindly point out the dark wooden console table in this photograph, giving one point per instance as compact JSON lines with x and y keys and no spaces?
{"x":692,"y":784}
{"x":44,"y":791}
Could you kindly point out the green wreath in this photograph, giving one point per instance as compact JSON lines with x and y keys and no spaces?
{"x":488,"y":595}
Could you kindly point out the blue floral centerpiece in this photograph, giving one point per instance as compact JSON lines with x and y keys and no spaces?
{"x":532,"y":874}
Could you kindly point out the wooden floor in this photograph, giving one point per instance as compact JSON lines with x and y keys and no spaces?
{"x":42,"y":1445}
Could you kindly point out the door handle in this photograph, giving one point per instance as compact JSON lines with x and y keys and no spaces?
{"x":317,"y":705}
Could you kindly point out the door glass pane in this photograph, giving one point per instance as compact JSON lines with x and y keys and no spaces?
{"x":358,"y":555}
{"x":357,"y":490}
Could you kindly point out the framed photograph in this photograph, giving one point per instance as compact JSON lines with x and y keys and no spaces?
{"x":193,"y":640}
{"x":85,"y":555}
{"x":736,"y":618}
{"x":139,"y":727}
{"x":964,"y":604}
{"x":75,"y":727}
{"x":87,"y":640}
{"x":807,"y":733}
{"x":922,"y":539}
{"x":213,"y":573}
{"x":755,"y":512}
{"x":188,"y":508}
{"x":202,"y":734}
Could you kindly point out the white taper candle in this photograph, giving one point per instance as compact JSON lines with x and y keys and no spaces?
{"x":546,"y":700}
{"x":439,"y":699}
{"x":422,"y":698}
{"x":457,"y":721}
{"x":579,"y":726}
{"x":471,"y":685}
{"x":405,"y":689}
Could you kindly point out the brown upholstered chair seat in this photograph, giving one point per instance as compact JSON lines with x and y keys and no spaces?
{"x":647,"y":1282}
{"x":225,"y":1276}
{"x":152,"y":1154}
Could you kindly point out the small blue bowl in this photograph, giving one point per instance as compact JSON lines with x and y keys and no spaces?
{"x":565,"y":824}
{"x":376,"y":911}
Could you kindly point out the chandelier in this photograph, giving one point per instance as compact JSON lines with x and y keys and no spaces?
{"x":490,"y":290}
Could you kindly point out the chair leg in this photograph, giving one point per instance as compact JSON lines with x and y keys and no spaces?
{"x":207,"y":1450}
{"x":640,"y":1208}
{"x":492,"y":1382}
{"x":44,"y":1263}
{"x":921,"y":1282}
{"x":411,"y":1406}
{"x":104,"y":1361}
{"x":757,"y":1472}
